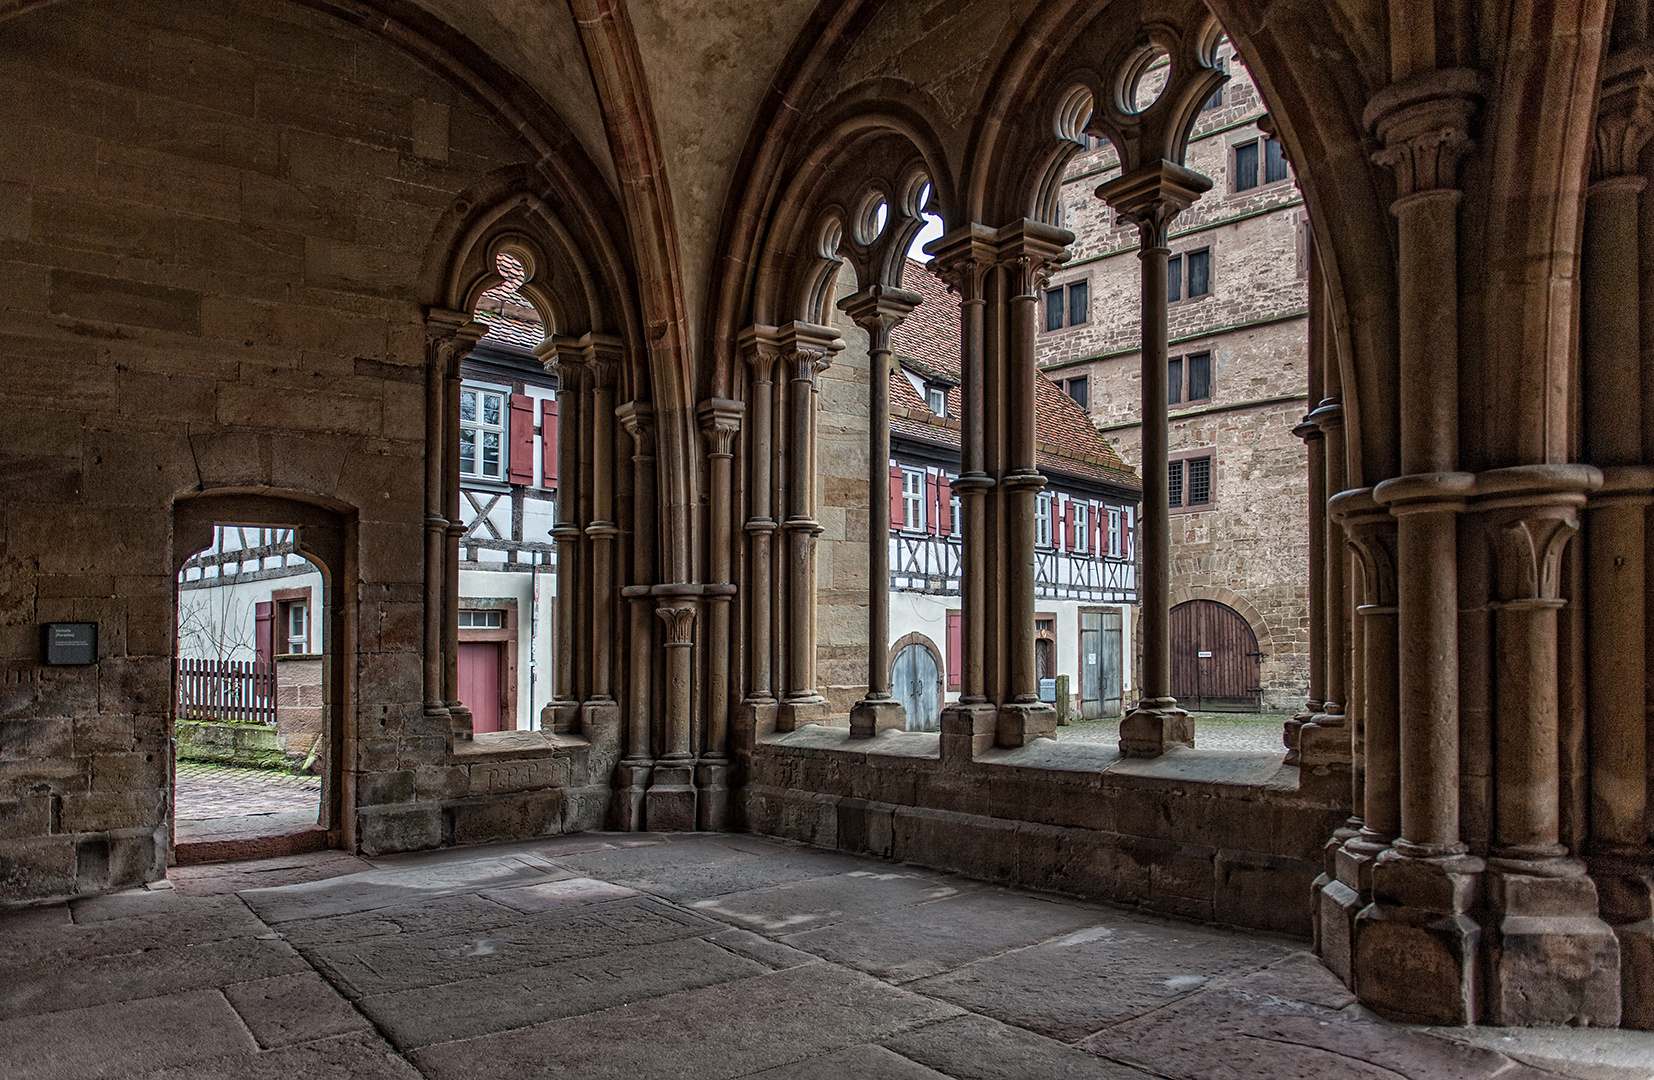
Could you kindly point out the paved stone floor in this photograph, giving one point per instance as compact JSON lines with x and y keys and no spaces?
{"x":637,"y":956}
{"x":1213,"y":731}
{"x":221,"y":802}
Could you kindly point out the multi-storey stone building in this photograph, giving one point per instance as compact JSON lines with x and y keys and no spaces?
{"x":1238,"y":321}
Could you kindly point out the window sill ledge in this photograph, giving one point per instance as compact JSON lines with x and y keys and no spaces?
{"x":500,"y":745}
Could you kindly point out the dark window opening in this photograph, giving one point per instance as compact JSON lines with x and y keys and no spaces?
{"x":1250,"y":155}
{"x":1189,"y":275}
{"x":1067,"y":305}
{"x":1189,"y":482}
{"x":1080,"y":390}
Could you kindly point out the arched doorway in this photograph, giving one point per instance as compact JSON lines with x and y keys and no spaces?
{"x":1214,"y":658}
{"x":916,"y":681}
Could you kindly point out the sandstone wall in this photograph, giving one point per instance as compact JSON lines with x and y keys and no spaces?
{"x":212,"y":217}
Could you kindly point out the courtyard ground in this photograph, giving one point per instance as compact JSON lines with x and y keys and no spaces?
{"x":219,"y":803}
{"x":1213,"y":731}
{"x":707,"y":955}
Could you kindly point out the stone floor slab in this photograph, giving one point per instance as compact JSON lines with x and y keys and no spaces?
{"x":121,"y":1040}
{"x":393,"y":887}
{"x":220,"y":878}
{"x":861,"y":1062}
{"x":292,"y":1009}
{"x":928,"y":939}
{"x":408,"y":961}
{"x":527,"y":996}
{"x":1089,"y":979}
{"x":729,"y":1030}
{"x":52,"y":987}
{"x":978,"y":1048}
{"x":558,"y":895}
{"x":362,"y":1056}
{"x":175,"y":921}
{"x":818,"y":901}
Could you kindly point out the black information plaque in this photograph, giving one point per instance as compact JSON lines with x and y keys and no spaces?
{"x":71,"y":643}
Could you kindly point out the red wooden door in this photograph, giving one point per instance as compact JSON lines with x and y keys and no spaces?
{"x":479,"y":683}
{"x":1214,"y":658}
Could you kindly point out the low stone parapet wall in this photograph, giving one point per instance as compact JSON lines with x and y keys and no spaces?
{"x":253,"y":746}
{"x":1217,"y":836}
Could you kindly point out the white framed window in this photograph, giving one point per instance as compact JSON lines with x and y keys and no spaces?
{"x":1082,"y":526}
{"x":1042,"y":521}
{"x":937,"y":400}
{"x":958,"y":513}
{"x":481,"y":620}
{"x":297,"y":627}
{"x":482,"y":419}
{"x":913,"y":499}
{"x":1116,"y":534}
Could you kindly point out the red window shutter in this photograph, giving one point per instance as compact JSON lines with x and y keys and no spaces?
{"x":944,"y":506}
{"x":521,"y":437}
{"x":934,"y":519}
{"x":548,"y":441}
{"x":264,"y":622}
{"x":895,"y":496}
{"x":956,"y":648}
{"x":1068,"y":525}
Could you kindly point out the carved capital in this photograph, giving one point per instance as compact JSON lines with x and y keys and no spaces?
{"x":449,"y":337}
{"x":1152,"y":196}
{"x":680,"y":624}
{"x":720,"y":421}
{"x":1625,"y":115}
{"x":1424,"y":124}
{"x":638,"y":418}
{"x":1531,"y":512}
{"x":963,"y":258}
{"x":1371,"y":532}
{"x":1030,"y":250}
{"x":759,"y":347}
{"x":879,"y":310}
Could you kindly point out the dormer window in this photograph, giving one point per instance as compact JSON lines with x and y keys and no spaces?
{"x":937,"y":399}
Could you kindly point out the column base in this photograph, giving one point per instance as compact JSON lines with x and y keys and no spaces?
{"x":794,"y":713}
{"x":1415,"y":954}
{"x":562,"y":717}
{"x":968,"y":730}
{"x":752,"y":720}
{"x":1625,"y":891}
{"x":669,"y":805}
{"x":1552,"y":960}
{"x":460,"y":722}
{"x":1153,"y":728}
{"x":1325,"y":758}
{"x":1020,"y":723}
{"x":1336,"y":906}
{"x":869,"y":717}
{"x":1291,"y":729}
{"x":712,"y":801}
{"x":631,"y":785}
{"x":600,"y":726}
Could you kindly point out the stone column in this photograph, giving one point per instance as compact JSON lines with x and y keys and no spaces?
{"x":670,"y":804}
{"x":1316,"y":444}
{"x":878,"y":310}
{"x":1325,"y":744}
{"x":1553,"y":960}
{"x":805,"y":352}
{"x":600,"y":713}
{"x":969,"y":725}
{"x":1027,"y":252}
{"x":1617,"y":539}
{"x":1416,"y":944}
{"x":720,"y":421}
{"x":1372,"y":534}
{"x":758,"y":707}
{"x":448,"y":334}
{"x":567,"y":362}
{"x":1150,"y":198}
{"x":633,"y":773}
{"x":460,"y":715}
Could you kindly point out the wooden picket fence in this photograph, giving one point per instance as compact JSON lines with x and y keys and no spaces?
{"x":234,"y":691}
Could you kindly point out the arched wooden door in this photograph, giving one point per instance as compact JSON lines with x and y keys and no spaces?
{"x":917,"y":683}
{"x":1214,"y":659}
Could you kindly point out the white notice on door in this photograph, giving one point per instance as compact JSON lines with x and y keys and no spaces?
{"x":1205,"y":656}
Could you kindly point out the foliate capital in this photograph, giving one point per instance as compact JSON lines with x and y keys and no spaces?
{"x":1625,"y":116}
{"x":680,"y":623}
{"x":1531,"y":512}
{"x":1152,"y":196}
{"x":1030,"y":250}
{"x":1371,"y":531}
{"x":638,"y":418}
{"x":962,"y":259}
{"x":449,"y":336}
{"x":720,"y":422}
{"x":878,"y":310}
{"x":1424,"y":124}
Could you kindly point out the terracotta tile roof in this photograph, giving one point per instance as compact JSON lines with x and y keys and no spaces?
{"x":927,"y":343}
{"x":508,"y":314}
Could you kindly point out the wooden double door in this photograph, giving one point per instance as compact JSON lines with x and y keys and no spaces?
{"x":1214,"y":659}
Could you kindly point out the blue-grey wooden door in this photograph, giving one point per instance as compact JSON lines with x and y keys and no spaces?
{"x":917,"y":683}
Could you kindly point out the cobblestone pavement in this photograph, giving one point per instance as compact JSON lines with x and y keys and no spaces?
{"x":1213,"y":731}
{"x":634,"y":956}
{"x":215,"y":803}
